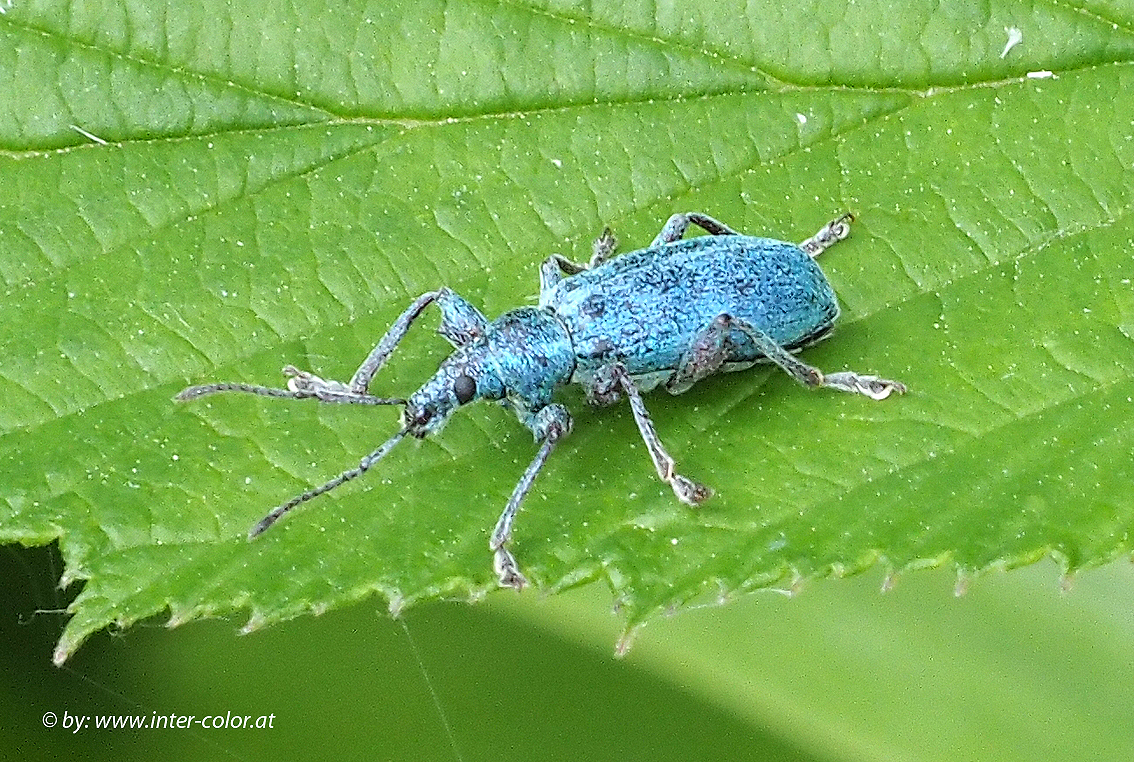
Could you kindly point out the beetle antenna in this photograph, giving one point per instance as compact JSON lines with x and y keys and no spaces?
{"x":323,"y":395}
{"x":363,"y":466}
{"x":301,"y":385}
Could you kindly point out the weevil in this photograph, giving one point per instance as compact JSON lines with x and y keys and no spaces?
{"x":671,"y":314}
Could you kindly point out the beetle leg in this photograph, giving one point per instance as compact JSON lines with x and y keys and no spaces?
{"x":551,"y":272}
{"x":705,"y":356}
{"x":603,"y":247}
{"x":604,"y":388}
{"x":553,"y":269}
{"x":601,"y":250}
{"x":610,"y":377}
{"x":830,"y":234}
{"x":844,"y":381}
{"x":550,"y":424}
{"x":676,"y":226}
{"x":460,"y":323}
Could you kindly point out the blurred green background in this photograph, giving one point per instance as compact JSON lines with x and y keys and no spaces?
{"x":1015,"y":669}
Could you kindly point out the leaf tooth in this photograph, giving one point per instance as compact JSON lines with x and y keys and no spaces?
{"x":626,"y":640}
{"x":964,"y":579}
{"x":255,"y":622}
{"x":889,"y":580}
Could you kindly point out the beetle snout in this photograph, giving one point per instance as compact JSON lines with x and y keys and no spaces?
{"x":421,"y":420}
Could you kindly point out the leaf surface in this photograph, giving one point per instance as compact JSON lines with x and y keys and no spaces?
{"x":209,"y":192}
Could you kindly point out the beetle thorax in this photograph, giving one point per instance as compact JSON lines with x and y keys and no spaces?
{"x":532,"y":354}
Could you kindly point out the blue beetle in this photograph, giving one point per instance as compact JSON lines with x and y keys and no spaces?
{"x":670,"y":314}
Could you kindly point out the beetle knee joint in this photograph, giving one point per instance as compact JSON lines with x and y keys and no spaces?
{"x":551,"y":422}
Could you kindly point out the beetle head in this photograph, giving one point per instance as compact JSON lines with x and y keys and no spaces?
{"x":465,"y":376}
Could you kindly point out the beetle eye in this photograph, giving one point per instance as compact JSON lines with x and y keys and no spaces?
{"x":464,"y":388}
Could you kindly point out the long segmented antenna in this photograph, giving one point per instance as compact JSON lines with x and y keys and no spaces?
{"x":363,"y":466}
{"x":300,"y":386}
{"x":204,"y":390}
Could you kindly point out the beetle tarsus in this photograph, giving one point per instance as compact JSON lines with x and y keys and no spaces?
{"x":828,"y":235}
{"x":507,"y":571}
{"x":870,"y":386}
{"x":688,"y":491}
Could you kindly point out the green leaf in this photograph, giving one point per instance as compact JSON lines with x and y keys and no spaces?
{"x":207,"y":192}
